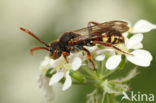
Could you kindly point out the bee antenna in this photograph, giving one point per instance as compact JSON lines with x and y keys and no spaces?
{"x":30,"y":33}
{"x":37,"y":48}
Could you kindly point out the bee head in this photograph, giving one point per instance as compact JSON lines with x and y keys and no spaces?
{"x":55,"y":51}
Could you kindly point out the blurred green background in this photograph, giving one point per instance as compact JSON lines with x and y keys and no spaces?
{"x":48,"y":19}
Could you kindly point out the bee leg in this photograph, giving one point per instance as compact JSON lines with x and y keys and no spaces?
{"x":89,"y":57}
{"x":122,"y":51}
{"x":65,"y":54}
{"x":90,"y":25}
{"x":110,"y":45}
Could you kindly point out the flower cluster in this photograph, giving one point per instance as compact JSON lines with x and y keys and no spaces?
{"x":107,"y":61}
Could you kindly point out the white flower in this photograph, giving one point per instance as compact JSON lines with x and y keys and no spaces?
{"x":63,"y":70}
{"x":141,"y":57}
{"x":143,"y":26}
{"x":91,"y":48}
{"x":100,"y":54}
{"x":43,"y":83}
{"x":113,"y":62}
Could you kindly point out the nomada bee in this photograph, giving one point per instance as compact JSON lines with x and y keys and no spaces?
{"x":108,"y":34}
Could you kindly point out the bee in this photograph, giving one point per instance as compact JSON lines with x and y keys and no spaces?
{"x":108,"y":34}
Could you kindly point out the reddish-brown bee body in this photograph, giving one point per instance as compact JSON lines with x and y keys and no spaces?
{"x":107,"y":34}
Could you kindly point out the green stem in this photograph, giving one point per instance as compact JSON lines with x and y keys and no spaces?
{"x":101,"y":68}
{"x":103,"y":97}
{"x":109,"y":72}
{"x":99,"y":96}
{"x":91,"y":73}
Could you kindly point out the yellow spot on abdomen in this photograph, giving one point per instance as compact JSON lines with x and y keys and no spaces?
{"x":112,"y":39}
{"x":105,"y":39}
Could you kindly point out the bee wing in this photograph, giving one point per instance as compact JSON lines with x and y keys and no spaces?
{"x":118,"y":26}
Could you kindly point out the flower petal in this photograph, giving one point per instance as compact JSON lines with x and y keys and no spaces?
{"x":113,"y":62}
{"x":91,"y":49}
{"x":47,"y":63}
{"x":76,"y":63}
{"x":134,"y":41}
{"x":56,"y":78}
{"x":138,"y":46}
{"x":105,"y":51}
{"x":100,"y":57}
{"x":140,"y":58}
{"x":43,"y":82}
{"x":68,"y":82}
{"x":143,"y":26}
{"x":48,"y":92}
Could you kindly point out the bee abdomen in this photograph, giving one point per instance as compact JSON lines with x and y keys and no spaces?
{"x":113,"y":39}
